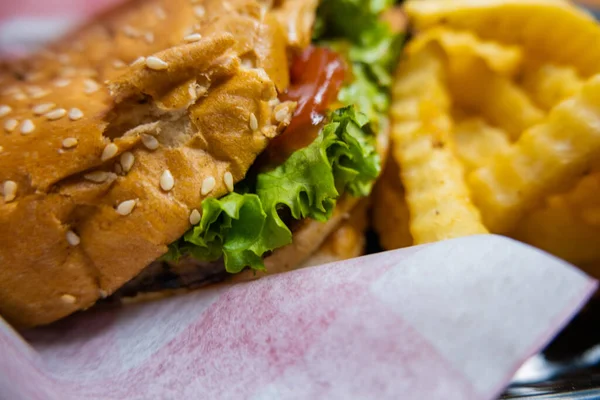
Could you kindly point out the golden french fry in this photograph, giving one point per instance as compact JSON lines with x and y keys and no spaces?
{"x":552,"y":30}
{"x":436,"y":192}
{"x":549,"y":84}
{"x":501,"y":59}
{"x":567,"y":225}
{"x":558,"y":229}
{"x":477,"y":88}
{"x":477,"y":142}
{"x":583,"y":199}
{"x":547,"y":158}
{"x":390,"y":212}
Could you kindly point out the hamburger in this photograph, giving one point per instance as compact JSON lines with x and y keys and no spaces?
{"x":171,"y":144}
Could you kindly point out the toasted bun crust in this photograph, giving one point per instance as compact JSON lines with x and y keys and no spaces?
{"x":68,"y":234}
{"x":347,"y":241}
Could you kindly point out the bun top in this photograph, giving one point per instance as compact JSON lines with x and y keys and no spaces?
{"x":111,"y":138}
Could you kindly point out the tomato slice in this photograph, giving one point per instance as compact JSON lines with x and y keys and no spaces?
{"x":317,"y":75}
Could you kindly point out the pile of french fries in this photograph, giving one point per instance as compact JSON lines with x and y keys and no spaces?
{"x":496,"y":128}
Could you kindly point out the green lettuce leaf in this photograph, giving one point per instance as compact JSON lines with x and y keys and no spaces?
{"x":349,"y":18}
{"x":366,"y":95}
{"x":241,"y":228}
{"x":354,"y":28}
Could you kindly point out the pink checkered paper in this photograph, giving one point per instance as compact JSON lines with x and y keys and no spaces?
{"x":451,"y":320}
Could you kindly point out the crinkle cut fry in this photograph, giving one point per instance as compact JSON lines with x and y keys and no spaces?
{"x":477,"y":142}
{"x":568,"y":225}
{"x":543,"y":161}
{"x":502,"y":59}
{"x":480,"y":78}
{"x":549,"y":84}
{"x":558,"y":230}
{"x":437,"y":195}
{"x":498,"y":99}
{"x":521,"y":22}
{"x":390,"y":212}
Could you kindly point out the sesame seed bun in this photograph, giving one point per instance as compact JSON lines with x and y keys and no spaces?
{"x":111,"y":137}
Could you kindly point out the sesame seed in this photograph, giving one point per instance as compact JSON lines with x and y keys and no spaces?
{"x":281,"y":114}
{"x":75,"y":114}
{"x":72,"y":238}
{"x":27,"y":127}
{"x":192,"y":90}
{"x":109,"y":151}
{"x":127,"y":160}
{"x":56,"y":114}
{"x":149,"y":37}
{"x":118,"y":169}
{"x":228,"y":178}
{"x":103,"y":293}
{"x":199,"y":11}
{"x":4,"y":110}
{"x":10,"y":125}
{"x":262,"y":73}
{"x":90,"y":86}
{"x":166,"y":181}
{"x":201,"y":90}
{"x":156,"y":63}
{"x":150,"y":142}
{"x":195,"y":217}
{"x":32,"y":89}
{"x":194,"y":37}
{"x":70,"y":142}
{"x":62,"y":82}
{"x":247,"y":64}
{"x":10,"y":191}
{"x":160,"y":13}
{"x":126,"y":207}
{"x":20,"y":96}
{"x":274,"y":102}
{"x":118,"y":64}
{"x":43,"y":108}
{"x":68,"y":298}
{"x":97,"y":176}
{"x":130,"y":31}
{"x":138,"y":61}
{"x":208,"y":185}
{"x":37,"y":94}
{"x":253,"y":122}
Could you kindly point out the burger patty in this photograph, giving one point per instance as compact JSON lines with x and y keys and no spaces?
{"x":187,"y":273}
{"x":161,"y":275}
